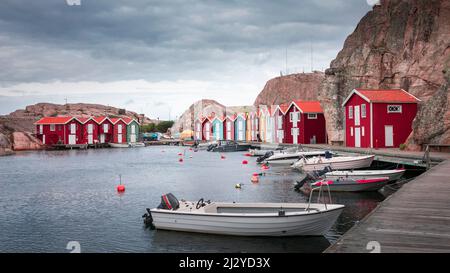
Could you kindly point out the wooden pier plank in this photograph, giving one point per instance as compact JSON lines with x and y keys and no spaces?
{"x":414,"y":219}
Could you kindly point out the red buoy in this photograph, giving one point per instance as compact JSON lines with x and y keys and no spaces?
{"x":180,"y":154}
{"x":244,"y":162}
{"x":248,"y":154}
{"x":265,"y":167}
{"x":180,"y":160}
{"x":121,"y":188}
{"x":222,"y":157}
{"x":255,"y":178}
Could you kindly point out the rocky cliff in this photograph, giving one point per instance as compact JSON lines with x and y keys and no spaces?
{"x":399,"y":44}
{"x":16,"y":129}
{"x":304,"y":86}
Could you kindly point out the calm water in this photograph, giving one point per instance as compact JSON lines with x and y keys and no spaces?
{"x":50,"y":198}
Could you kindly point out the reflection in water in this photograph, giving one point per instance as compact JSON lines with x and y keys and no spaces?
{"x":171,"y":241}
{"x":50,"y":198}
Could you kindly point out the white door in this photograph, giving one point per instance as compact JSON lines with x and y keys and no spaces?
{"x":133,"y":138}
{"x":295,"y":133}
{"x":119,"y":138}
{"x":90,"y":139}
{"x":102,"y":138}
{"x":43,"y":139}
{"x":208,"y":132}
{"x":357,"y":136}
{"x":133,"y":129}
{"x":72,"y":139}
{"x":228,"y":135}
{"x":357,"y":115}
{"x":389,"y":135}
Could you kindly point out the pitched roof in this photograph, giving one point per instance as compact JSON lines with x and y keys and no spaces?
{"x":384,"y":96}
{"x":283,"y":108}
{"x":84,"y":119}
{"x":308,"y":106}
{"x":54,"y":120}
{"x":115,"y":120}
{"x":100,"y":119}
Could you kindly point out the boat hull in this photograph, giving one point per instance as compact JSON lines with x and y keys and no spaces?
{"x":289,"y":159}
{"x":393,"y":176}
{"x":117,"y":145}
{"x":309,"y":224}
{"x":359,"y":163}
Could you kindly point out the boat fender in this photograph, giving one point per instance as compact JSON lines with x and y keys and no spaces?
{"x":244,"y":162}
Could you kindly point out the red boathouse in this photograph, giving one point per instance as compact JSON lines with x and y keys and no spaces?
{"x":379,"y":118}
{"x":207,"y":129}
{"x":105,"y":129}
{"x":119,"y":130}
{"x":59,"y":130}
{"x":304,"y":123}
{"x":228,"y":127}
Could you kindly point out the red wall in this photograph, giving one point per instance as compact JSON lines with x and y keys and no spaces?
{"x":402,"y":123}
{"x":364,"y":122}
{"x":225,"y":128}
{"x":313,"y":127}
{"x":288,"y":138}
{"x":94,"y":131}
{"x":78,"y":133}
{"x":51,"y":137}
{"x":117,"y":132}
{"x":109,"y":135}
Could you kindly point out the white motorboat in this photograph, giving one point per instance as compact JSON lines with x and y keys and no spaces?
{"x":335,"y":163}
{"x":288,"y":158}
{"x":244,"y":219}
{"x":393,"y":175}
{"x":137,"y":144}
{"x":119,"y":145}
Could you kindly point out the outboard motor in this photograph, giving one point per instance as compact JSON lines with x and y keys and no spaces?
{"x":328,"y":154}
{"x":148,"y":219}
{"x":264,"y":157}
{"x":169,"y":202}
{"x":211,"y":147}
{"x":299,"y":184}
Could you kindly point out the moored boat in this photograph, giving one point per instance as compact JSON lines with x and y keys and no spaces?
{"x":244,"y":219}
{"x":393,"y":175}
{"x":119,"y":145}
{"x":335,"y":163}
{"x":225,"y":146}
{"x":347,"y":184}
{"x":137,"y":144}
{"x":288,"y":158}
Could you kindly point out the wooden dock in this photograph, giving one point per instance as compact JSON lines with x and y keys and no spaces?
{"x":414,"y":219}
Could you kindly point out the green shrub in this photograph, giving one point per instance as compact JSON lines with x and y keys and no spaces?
{"x":402,"y":146}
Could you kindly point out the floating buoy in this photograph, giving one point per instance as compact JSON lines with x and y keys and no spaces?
{"x":255,"y":178}
{"x":265,"y":167}
{"x":181,"y":160}
{"x":248,"y":154}
{"x":190,"y":156}
{"x":222,"y":157}
{"x":120,"y":187}
{"x":190,"y":149}
{"x":238,"y":186}
{"x":180,"y":154}
{"x":244,"y":162}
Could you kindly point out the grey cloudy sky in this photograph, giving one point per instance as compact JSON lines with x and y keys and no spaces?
{"x":158,"y":57}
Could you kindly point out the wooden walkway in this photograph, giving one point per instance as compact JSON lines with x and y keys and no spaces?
{"x":414,"y":219}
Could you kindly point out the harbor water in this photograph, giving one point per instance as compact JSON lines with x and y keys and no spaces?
{"x":50,"y":198}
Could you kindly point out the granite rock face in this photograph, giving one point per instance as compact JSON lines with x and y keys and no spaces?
{"x":399,"y":44}
{"x":303,"y":86}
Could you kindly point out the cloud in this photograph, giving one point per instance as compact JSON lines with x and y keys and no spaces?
{"x":48,"y":46}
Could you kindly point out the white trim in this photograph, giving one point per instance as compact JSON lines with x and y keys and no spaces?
{"x":354,"y":91}
{"x":371,"y":125}
{"x":352,"y":112}
{"x":363,"y":113}
{"x":293,"y":103}
{"x":313,"y":117}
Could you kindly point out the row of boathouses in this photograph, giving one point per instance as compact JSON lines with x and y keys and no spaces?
{"x":373,"y":119}
{"x":71,"y":130}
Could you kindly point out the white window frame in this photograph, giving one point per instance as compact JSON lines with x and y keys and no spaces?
{"x":312,"y":116}
{"x":350,"y":112}
{"x":280,"y":122}
{"x":119,"y":128}
{"x":241,"y":125}
{"x":72,"y":126}
{"x":396,"y":105}
{"x":228,"y":126}
{"x":52,"y":127}
{"x":105,"y":127}
{"x":363,"y":111}
{"x":363,"y":133}
{"x":90,"y":129}
{"x":41,"y":129}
